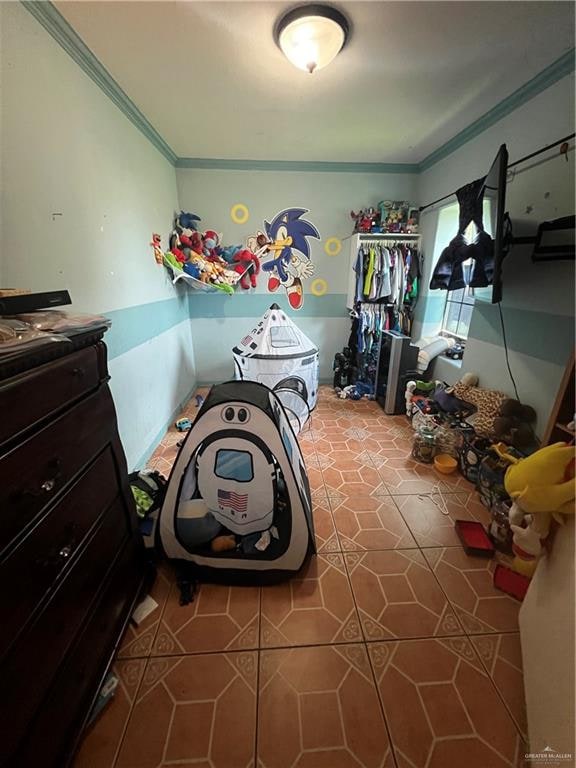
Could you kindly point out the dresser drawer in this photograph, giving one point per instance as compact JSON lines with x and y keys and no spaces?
{"x":26,"y":399}
{"x":51,"y":736}
{"x":50,"y":549}
{"x":37,"y":470}
{"x":34,"y":663}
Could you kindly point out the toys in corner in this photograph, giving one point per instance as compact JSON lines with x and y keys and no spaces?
{"x":542,"y":489}
{"x":513,"y":424}
{"x":199,"y":255}
{"x":183,"y":425}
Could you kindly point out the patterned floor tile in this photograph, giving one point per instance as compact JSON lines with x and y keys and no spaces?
{"x":194,"y":710}
{"x":324,"y":529}
{"x":319,"y":708}
{"x":314,"y":608}
{"x":441,"y":707}
{"x":346,"y":444}
{"x":370,"y":522}
{"x":138,"y":639}
{"x":502,"y":657}
{"x":308,"y":449}
{"x":403,"y":475}
{"x":398,"y":597}
{"x":430,"y":526}
{"x":219,"y":618}
{"x":353,"y":477}
{"x":468,"y":584}
{"x":102,"y":740}
{"x":315,"y":479}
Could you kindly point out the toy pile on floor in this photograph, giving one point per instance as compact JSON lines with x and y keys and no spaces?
{"x":396,"y":216}
{"x":490,"y":439}
{"x":202,"y":256}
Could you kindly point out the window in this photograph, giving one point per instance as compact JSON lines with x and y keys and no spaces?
{"x":283,"y":336}
{"x":459,"y":304}
{"x":458,"y":312}
{"x":234,"y":465}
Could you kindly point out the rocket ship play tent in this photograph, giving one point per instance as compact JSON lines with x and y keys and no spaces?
{"x":239,"y":478}
{"x":276,"y":353}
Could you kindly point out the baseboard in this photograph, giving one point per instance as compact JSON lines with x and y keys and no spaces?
{"x":143,"y":460}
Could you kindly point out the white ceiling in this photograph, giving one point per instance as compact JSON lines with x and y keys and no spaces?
{"x":209,"y":78}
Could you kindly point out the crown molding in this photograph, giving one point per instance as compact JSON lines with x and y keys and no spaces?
{"x":556,"y":71}
{"x":57,"y":26}
{"x":310,"y":166}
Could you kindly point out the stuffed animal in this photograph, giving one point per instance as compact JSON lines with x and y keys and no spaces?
{"x":247,"y":265}
{"x":211,"y":242}
{"x":513,"y":424}
{"x":176,"y":248}
{"x":156,"y":244}
{"x":542,"y":488}
{"x":186,"y":222}
{"x":193,"y":242}
{"x":228,"y":253}
{"x":192,"y":269}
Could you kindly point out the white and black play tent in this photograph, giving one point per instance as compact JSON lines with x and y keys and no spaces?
{"x":239,"y":471}
{"x":276,"y":353}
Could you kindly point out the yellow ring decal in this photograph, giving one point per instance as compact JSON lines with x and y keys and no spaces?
{"x":333,"y":246}
{"x":239,"y":213}
{"x":318,"y":287}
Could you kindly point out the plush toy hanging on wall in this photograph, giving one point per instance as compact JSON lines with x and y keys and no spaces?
{"x":247,"y":265}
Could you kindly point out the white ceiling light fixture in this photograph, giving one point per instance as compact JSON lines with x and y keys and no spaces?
{"x":311,"y":36}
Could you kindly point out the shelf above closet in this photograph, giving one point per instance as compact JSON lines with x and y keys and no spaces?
{"x":389,"y":235}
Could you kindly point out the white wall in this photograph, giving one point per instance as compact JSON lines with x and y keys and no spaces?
{"x":218,"y":325}
{"x":538,"y":299}
{"x":66,"y":149}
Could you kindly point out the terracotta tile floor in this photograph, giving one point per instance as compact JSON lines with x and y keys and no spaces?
{"x":391,"y":649}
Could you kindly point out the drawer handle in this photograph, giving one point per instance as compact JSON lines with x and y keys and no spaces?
{"x":50,"y":483}
{"x":61,"y":553}
{"x":65,"y":552}
{"x":78,"y":372}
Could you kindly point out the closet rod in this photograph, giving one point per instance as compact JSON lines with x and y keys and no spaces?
{"x":510,"y":165}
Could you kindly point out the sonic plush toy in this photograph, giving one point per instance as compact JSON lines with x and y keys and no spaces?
{"x":541,"y":487}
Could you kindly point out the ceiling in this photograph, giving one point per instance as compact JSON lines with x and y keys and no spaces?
{"x":210,"y":80}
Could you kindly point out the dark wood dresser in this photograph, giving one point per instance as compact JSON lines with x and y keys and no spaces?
{"x":71,"y":561}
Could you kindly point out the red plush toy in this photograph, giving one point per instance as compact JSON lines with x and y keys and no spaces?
{"x":246,"y":260}
{"x":194,"y":242}
{"x":211,"y":246}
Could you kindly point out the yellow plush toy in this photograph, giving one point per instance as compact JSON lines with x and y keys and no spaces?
{"x":541,"y":486}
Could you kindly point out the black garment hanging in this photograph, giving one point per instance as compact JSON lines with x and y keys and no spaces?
{"x":448,"y":273}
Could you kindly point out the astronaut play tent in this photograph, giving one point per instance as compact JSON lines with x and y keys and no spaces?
{"x":276,"y":353}
{"x":238,"y":502}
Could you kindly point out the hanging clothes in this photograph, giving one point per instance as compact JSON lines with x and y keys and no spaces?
{"x":449,"y":272}
{"x":388,"y":273}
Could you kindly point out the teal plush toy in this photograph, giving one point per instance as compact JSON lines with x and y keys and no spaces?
{"x":229,"y":252}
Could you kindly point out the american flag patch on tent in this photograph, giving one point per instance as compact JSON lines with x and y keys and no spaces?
{"x":235,"y":501}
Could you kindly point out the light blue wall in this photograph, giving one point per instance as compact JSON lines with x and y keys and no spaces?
{"x":218,"y":323}
{"x":68,"y":150}
{"x":538,"y":299}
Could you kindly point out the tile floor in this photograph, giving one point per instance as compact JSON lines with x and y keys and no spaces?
{"x":391,"y":649}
